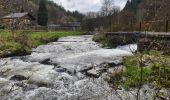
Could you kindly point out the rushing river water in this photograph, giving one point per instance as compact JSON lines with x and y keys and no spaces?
{"x":56,"y":71}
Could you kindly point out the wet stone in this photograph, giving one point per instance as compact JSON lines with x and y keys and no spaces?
{"x":18,"y":78}
{"x":93,"y":73}
{"x":85,"y":69}
{"x":61,"y":70}
{"x":48,"y":62}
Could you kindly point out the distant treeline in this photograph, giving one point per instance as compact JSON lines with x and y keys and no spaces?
{"x":138,"y":15}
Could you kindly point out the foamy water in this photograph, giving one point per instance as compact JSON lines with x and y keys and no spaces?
{"x":52,"y":71}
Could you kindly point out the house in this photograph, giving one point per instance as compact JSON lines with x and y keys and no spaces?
{"x":18,"y":20}
{"x":72,"y":25}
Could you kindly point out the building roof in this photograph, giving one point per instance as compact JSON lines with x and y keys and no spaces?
{"x":18,"y":15}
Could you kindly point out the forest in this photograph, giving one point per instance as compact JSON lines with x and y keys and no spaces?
{"x":150,"y":13}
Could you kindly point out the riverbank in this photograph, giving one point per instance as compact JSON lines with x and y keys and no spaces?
{"x":147,"y":71}
{"x":20,"y":42}
{"x":142,"y":74}
{"x":152,"y":66}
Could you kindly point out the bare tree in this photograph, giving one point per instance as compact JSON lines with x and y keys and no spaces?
{"x":91,"y":15}
{"x":108,"y":9}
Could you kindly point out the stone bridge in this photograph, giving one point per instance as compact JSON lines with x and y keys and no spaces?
{"x":145,"y":40}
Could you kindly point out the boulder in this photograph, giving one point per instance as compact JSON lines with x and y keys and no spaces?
{"x":115,"y":71}
{"x":18,"y":78}
{"x":93,"y":73}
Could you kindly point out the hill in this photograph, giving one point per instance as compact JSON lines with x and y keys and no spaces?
{"x":57,"y":14}
{"x":155,"y":12}
{"x":149,"y":9}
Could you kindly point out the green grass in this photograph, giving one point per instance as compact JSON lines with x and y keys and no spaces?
{"x":18,"y":41}
{"x":157,"y":73}
{"x":133,"y":73}
{"x":39,"y":38}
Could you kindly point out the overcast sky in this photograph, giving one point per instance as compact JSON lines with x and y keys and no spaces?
{"x":86,"y":5}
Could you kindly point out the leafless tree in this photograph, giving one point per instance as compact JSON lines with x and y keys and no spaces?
{"x":108,"y":9}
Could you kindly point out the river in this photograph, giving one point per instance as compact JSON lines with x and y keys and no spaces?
{"x":62,"y":70}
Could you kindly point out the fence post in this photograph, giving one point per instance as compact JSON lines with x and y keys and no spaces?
{"x":131,"y":25}
{"x":167,"y":26}
{"x":140,"y":26}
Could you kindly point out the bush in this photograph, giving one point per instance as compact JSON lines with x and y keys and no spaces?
{"x":2,"y":27}
{"x":23,"y":39}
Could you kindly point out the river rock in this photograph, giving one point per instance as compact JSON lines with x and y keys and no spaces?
{"x":94,"y":73}
{"x":115,"y":71}
{"x":18,"y":78}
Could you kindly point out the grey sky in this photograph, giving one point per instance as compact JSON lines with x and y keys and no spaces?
{"x":86,"y":5}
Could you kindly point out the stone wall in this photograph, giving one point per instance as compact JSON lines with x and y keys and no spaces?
{"x":154,"y":41}
{"x":145,"y":40}
{"x":122,"y":38}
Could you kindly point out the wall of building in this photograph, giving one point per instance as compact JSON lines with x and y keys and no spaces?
{"x":18,"y":23}
{"x":154,"y":41}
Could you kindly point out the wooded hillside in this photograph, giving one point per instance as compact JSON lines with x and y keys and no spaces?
{"x":153,"y":12}
{"x":150,"y":14}
{"x":56,"y":13}
{"x":149,"y":9}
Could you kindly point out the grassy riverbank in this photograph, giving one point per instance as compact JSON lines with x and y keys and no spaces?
{"x":21,"y":42}
{"x":151,"y":69}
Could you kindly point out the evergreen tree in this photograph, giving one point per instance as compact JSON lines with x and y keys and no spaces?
{"x":42,"y":13}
